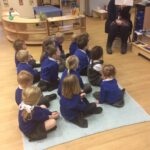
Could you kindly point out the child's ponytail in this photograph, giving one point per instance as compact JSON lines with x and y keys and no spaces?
{"x":68,"y":66}
{"x":26,"y":111}
{"x":30,"y":97}
{"x":72,"y":63}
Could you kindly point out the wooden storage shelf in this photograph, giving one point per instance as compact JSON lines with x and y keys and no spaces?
{"x":139,"y":49}
{"x":33,"y":31}
{"x":10,"y":38}
{"x":65,"y":18}
{"x":29,"y":30}
{"x":34,"y":42}
{"x":10,"y":30}
{"x":148,"y":36}
{"x":67,"y":24}
{"x":141,"y":37}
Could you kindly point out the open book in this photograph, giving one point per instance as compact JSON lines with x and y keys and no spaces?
{"x":124,"y":2}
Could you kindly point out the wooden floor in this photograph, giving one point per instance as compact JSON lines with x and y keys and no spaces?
{"x":133,"y":73}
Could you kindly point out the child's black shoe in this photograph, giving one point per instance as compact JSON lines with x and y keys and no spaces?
{"x":97,"y":110}
{"x":50,"y":97}
{"x":83,"y":123}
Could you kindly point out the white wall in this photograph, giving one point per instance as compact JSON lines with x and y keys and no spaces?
{"x":25,"y":10}
{"x":82,"y":6}
{"x":91,"y":4}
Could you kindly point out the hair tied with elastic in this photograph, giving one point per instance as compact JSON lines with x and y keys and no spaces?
{"x":28,"y":108}
{"x":68,"y":67}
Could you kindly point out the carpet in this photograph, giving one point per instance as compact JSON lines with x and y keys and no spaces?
{"x":110,"y":118}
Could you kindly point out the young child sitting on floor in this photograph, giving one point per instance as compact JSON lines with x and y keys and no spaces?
{"x":110,"y":92}
{"x":23,"y":57}
{"x":59,"y":39}
{"x":72,"y":63}
{"x":82,"y":55}
{"x":25,"y":79}
{"x":50,"y":41}
{"x":47,"y":41}
{"x":73,"y":105}
{"x":95,"y":67}
{"x":21,"y":45}
{"x":87,"y":36}
{"x":73,"y":46}
{"x":35,"y":121}
{"x":49,"y":71}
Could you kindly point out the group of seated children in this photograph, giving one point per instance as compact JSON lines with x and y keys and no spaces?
{"x":35,"y":120}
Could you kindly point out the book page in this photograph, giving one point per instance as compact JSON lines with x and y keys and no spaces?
{"x":124,"y":2}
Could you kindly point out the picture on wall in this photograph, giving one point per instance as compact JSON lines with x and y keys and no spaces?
{"x":5,"y":2}
{"x":20,"y":2}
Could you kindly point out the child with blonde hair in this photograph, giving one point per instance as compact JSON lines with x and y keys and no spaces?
{"x":21,"y":45}
{"x":72,"y":63}
{"x":110,"y":92}
{"x":22,"y":57}
{"x":73,"y":105}
{"x":25,"y":79}
{"x":35,"y":121}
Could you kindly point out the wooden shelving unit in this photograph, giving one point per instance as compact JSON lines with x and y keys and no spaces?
{"x":33,"y":31}
{"x":56,"y":3}
{"x":139,"y":49}
{"x":141,"y":30}
{"x":67,"y":24}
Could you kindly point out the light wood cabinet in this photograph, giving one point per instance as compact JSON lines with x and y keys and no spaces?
{"x":141,"y":31}
{"x":67,"y":24}
{"x":56,"y":3}
{"x":33,"y":31}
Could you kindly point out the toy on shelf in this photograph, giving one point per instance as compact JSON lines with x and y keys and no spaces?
{"x":11,"y":17}
{"x":75,"y":9}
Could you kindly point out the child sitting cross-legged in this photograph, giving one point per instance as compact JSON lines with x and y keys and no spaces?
{"x":35,"y":121}
{"x":21,"y":45}
{"x":72,"y":63}
{"x":25,"y":79}
{"x":50,"y":41}
{"x":110,"y":92}
{"x":82,"y":54}
{"x":22,"y":57}
{"x":95,"y":66}
{"x":59,"y":40}
{"x":74,"y":106}
{"x":73,"y":46}
{"x":49,"y":71}
{"x":46,"y":42}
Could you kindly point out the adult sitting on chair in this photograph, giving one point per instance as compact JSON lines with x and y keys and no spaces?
{"x":118,"y":24}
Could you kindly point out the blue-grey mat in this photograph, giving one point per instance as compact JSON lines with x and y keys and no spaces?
{"x":111,"y":118}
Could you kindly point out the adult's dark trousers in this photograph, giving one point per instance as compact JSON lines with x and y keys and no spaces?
{"x":118,"y":31}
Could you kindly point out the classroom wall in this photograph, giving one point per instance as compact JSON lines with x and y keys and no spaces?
{"x":25,"y":10}
{"x":88,"y":5}
{"x":82,"y":6}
